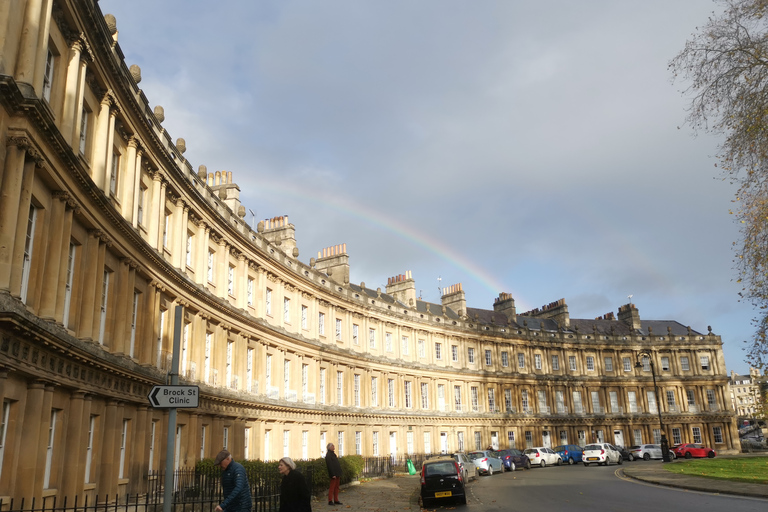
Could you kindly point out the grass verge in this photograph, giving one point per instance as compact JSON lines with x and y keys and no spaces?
{"x":753,"y":469}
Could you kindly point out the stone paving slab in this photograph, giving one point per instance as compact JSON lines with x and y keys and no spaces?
{"x":397,"y":494}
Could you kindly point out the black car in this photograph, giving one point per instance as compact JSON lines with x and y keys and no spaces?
{"x":625,"y":453}
{"x":441,"y":480}
{"x":513,"y":459}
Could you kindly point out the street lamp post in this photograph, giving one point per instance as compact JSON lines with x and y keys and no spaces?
{"x":664,"y":442}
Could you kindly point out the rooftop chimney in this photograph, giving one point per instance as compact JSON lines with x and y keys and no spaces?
{"x":453,"y":297}
{"x":557,"y":310}
{"x":221,"y":183}
{"x":629,"y":315}
{"x":403,"y":288}
{"x":280,"y":232}
{"x":505,"y":303}
{"x":334,"y":261}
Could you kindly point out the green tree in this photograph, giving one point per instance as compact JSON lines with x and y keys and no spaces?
{"x":725,"y":68}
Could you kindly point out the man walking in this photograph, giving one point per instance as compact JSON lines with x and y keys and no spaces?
{"x":334,"y":473}
{"x":234,"y":483}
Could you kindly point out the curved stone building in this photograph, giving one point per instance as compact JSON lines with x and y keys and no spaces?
{"x":105,"y":228}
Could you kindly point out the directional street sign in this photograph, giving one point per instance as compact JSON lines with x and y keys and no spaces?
{"x":170,"y":397}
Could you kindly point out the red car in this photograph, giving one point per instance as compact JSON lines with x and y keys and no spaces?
{"x":689,"y":450}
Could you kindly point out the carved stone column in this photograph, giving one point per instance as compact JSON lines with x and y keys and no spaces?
{"x":74,"y":442}
{"x":123,"y":305}
{"x":22,"y":224}
{"x":30,"y":33}
{"x":52,"y":261}
{"x":26,"y":484}
{"x":129,"y":189}
{"x":10,"y":190}
{"x":99,"y":296}
{"x":110,"y":155}
{"x":71,"y":100}
{"x":137,"y":190}
{"x":100,"y":145}
{"x":64,"y":267}
{"x":90,"y":271}
{"x":107,"y":483}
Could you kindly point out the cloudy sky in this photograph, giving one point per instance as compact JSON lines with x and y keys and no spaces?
{"x":536,"y":148}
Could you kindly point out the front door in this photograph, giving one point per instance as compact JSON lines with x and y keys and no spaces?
{"x":495,"y":440}
{"x":443,"y":442}
{"x":618,"y":437}
{"x":545,"y":441}
{"x":393,"y":444}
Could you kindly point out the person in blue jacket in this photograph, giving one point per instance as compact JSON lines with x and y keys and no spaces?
{"x":234,"y":483}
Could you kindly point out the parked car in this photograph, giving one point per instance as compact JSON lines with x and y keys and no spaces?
{"x":440,"y":479}
{"x":541,"y":456}
{"x":570,"y":453}
{"x":690,"y":450}
{"x":513,"y":459}
{"x":601,"y":454}
{"x":625,"y":454}
{"x":646,"y":451}
{"x":486,"y":462}
{"x":467,"y":467}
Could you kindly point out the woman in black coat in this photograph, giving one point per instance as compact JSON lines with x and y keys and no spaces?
{"x":294,"y":494}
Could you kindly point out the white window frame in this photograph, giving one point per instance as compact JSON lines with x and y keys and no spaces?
{"x":321,"y":323}
{"x":134,"y":319}
{"x":471,"y":355}
{"x":103,"y":306}
{"x":304,"y":319}
{"x":286,"y":310}
{"x":488,"y":357}
{"x":49,"y":450}
{"x":504,"y":358}
{"x":69,"y":282}
{"x":537,"y":361}
{"x":556,"y":362}
{"x":123,"y":448}
{"x":26,"y":264}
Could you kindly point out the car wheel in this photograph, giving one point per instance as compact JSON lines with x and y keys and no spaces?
{"x":559,"y":461}
{"x":688,"y":455}
{"x":490,"y":470}
{"x":586,"y":464}
{"x":631,"y":457}
{"x":646,"y":456}
{"x":570,"y":461}
{"x":463,"y":500}
{"x":621,"y":460}
{"x":543,"y":463}
{"x":425,"y":503}
{"x":512,"y":466}
{"x":711,"y":455}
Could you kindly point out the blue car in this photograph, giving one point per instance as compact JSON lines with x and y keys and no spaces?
{"x":513,"y":459}
{"x":570,"y":453}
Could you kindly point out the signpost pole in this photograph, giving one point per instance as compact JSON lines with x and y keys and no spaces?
{"x":171,"y":441}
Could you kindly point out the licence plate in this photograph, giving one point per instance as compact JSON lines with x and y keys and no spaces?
{"x":443,"y":494}
{"x":593,"y":458}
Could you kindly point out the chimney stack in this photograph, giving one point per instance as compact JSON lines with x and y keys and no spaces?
{"x":505,"y":303}
{"x":334,"y":261}
{"x":629,"y":315}
{"x":557,"y":310}
{"x":280,"y":232}
{"x":453,"y":297}
{"x":403,"y":288}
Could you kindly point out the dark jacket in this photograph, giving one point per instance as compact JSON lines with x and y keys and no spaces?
{"x":294,"y":493}
{"x":333,"y":464}
{"x":237,"y":492}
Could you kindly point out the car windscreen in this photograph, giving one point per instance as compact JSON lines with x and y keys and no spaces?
{"x":559,"y":448}
{"x":593,"y":447}
{"x":476,"y":455}
{"x":440,"y":469}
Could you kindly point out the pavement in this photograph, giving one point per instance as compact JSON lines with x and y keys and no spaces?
{"x":401,"y":493}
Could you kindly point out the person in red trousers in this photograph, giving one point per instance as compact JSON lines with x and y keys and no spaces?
{"x":334,"y":473}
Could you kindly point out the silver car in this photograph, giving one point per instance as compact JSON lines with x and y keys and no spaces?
{"x":467,"y":467}
{"x":485,"y":462}
{"x":645,"y":451}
